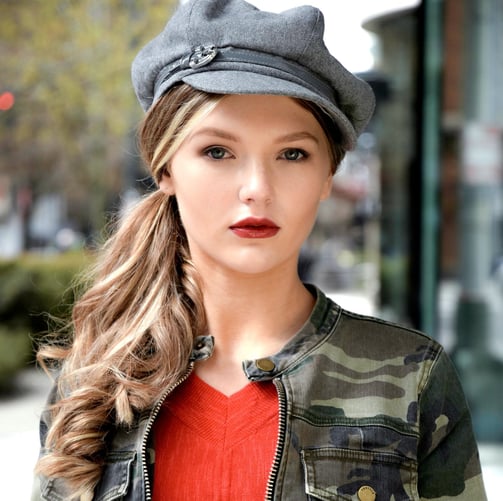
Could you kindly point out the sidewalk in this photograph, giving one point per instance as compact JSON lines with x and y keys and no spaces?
{"x":19,"y":415}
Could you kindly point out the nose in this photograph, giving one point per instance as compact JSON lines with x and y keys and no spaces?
{"x":257,"y":184}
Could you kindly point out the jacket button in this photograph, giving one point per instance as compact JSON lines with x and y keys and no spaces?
{"x":366,"y":493}
{"x":265,"y":364}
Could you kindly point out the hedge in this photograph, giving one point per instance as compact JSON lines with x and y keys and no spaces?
{"x":33,"y":289}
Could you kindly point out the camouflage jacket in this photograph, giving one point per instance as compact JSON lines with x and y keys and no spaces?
{"x":369,"y":411}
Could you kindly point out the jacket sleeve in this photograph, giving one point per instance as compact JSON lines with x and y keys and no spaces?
{"x":449,"y":465}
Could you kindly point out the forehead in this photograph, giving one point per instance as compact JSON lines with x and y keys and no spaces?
{"x":262,"y":110}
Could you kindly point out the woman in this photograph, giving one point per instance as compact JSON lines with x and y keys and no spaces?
{"x":201,"y":366}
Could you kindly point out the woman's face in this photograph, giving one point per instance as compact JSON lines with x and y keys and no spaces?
{"x":248,"y":180}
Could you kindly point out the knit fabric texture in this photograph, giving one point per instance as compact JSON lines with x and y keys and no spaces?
{"x":210,"y":446}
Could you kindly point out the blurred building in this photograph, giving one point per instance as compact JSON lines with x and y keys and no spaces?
{"x":439,"y":137}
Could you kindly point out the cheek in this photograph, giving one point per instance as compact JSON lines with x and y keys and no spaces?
{"x":201,"y":204}
{"x":308,"y":203}
{"x":312,"y":190}
{"x":305,"y":210}
{"x":191,"y":205}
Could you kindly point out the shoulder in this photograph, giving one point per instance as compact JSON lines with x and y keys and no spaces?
{"x":365,"y":335}
{"x":372,"y":338}
{"x":386,"y":357}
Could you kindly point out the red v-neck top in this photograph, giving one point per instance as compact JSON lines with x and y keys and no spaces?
{"x":214,"y":447}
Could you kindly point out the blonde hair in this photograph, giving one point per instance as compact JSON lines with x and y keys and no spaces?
{"x":133,"y":330}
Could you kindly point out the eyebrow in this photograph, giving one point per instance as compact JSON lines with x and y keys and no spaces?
{"x":213,"y":131}
{"x":296,"y":136}
{"x":293,"y":136}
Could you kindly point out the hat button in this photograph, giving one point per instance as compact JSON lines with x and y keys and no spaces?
{"x":366,"y":493}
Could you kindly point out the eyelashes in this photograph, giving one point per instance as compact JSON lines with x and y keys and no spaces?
{"x":289,"y":154}
{"x":216,"y":153}
{"x":295,"y":154}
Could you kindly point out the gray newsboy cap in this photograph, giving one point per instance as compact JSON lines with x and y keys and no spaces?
{"x":231,"y":47}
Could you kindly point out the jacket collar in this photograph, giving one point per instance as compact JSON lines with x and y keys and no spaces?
{"x":320,"y":324}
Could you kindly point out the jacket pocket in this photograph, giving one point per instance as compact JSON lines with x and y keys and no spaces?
{"x":341,"y":474}
{"x":116,"y":476}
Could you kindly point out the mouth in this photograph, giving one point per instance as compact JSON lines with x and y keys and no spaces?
{"x":255,"y":228}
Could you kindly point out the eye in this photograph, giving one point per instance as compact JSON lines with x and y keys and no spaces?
{"x":294,"y":154}
{"x":216,"y":153}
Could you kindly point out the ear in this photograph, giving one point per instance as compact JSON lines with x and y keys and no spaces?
{"x":327,"y":187}
{"x":166,"y":184}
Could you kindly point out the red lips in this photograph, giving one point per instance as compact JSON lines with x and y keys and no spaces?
{"x":252,"y":227}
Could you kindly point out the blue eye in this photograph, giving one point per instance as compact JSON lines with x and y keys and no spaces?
{"x":294,"y":154}
{"x":216,"y":152}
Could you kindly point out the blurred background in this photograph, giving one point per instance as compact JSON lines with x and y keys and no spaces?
{"x":413,"y":232}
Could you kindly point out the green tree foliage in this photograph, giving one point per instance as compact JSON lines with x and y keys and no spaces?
{"x":68,"y":64}
{"x":37,"y":293}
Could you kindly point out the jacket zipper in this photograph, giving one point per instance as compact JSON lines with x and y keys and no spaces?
{"x":153,"y":415}
{"x":271,"y":482}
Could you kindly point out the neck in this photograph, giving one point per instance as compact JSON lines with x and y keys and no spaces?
{"x":250,"y":317}
{"x":259,"y":310}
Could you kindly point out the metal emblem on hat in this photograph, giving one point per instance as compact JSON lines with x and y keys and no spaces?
{"x":202,"y":56}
